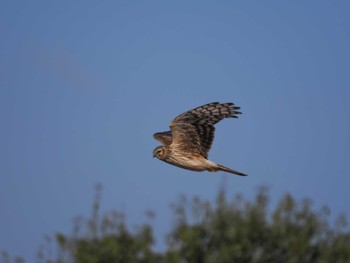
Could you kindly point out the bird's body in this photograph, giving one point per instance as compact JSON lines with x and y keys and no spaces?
{"x":193,"y":161}
{"x":191,"y":136}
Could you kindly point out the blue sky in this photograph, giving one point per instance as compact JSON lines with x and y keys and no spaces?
{"x":85,"y":84}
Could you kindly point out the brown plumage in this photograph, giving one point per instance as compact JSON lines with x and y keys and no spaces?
{"x":191,"y":137}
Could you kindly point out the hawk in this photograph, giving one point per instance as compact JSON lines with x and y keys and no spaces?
{"x":191,"y":136}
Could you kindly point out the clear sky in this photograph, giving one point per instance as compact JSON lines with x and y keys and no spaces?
{"x":85,"y":84}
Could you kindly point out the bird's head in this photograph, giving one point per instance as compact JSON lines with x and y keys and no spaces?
{"x":159,"y":152}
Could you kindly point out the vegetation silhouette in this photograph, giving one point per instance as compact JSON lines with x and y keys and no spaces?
{"x":236,"y":230}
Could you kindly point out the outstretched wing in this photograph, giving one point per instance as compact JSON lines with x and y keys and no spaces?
{"x":194,"y":129}
{"x":166,"y":138}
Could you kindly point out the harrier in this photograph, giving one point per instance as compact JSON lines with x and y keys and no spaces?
{"x":191,"y":136}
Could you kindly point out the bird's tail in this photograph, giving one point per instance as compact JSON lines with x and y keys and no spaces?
{"x":223,"y":168}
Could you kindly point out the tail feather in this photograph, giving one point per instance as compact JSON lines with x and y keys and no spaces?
{"x":223,"y":168}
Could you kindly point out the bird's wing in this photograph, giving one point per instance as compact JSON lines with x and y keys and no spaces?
{"x":194,"y":130}
{"x":166,"y":138}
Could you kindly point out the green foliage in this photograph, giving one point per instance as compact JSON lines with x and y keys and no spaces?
{"x":234,"y":230}
{"x":103,"y":240}
{"x":243,"y":231}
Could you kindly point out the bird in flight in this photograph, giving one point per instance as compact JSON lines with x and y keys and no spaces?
{"x":191,"y":136}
